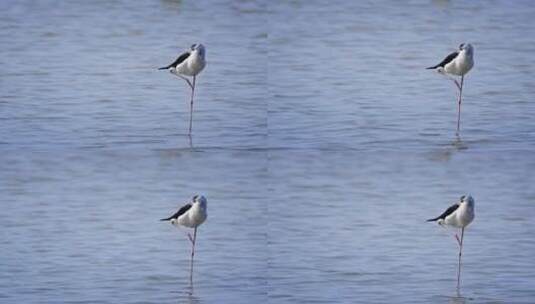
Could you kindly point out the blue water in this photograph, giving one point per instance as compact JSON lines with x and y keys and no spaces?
{"x":319,"y":139}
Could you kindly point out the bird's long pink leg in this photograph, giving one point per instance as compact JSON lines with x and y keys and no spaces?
{"x":459,"y":105}
{"x":190,"y":238}
{"x":457,"y":84}
{"x":192,"y":254}
{"x":455,"y":235}
{"x":191,"y":105}
{"x":185,"y":79}
{"x":192,"y":86}
{"x":193,"y":243}
{"x":458,"y":240}
{"x":443,"y":73}
{"x":460,"y":254}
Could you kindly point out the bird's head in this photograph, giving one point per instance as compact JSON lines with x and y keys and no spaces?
{"x":198,"y":47}
{"x":199,"y":199}
{"x":466,"y":47}
{"x":467,"y":199}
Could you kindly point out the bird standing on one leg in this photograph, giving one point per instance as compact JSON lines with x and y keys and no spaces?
{"x":458,"y":215}
{"x":189,"y":63}
{"x":191,"y":215}
{"x":458,"y":63}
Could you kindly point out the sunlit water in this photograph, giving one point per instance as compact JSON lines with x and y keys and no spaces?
{"x":319,"y":139}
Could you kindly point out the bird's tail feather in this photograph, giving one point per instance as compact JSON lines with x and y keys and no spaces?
{"x":166,"y":219}
{"x":433,"y":219}
{"x":163,"y":68}
{"x":432,"y":68}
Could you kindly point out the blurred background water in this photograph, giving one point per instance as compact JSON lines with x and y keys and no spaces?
{"x":319,"y":139}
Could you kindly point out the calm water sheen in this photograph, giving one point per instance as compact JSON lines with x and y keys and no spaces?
{"x":320,"y":141}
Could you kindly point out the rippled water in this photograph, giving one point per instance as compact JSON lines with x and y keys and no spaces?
{"x":351,"y":75}
{"x":319,"y":139}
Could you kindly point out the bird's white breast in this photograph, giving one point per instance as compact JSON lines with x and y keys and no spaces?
{"x":193,"y":217}
{"x":461,"y":65}
{"x":192,"y":66}
{"x":461,"y":218}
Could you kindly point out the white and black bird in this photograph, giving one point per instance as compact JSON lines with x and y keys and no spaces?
{"x":458,"y":215}
{"x":191,"y":215}
{"x":189,"y":63}
{"x":458,"y":63}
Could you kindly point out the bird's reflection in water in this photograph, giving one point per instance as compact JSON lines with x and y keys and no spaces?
{"x":458,"y":144}
{"x":189,"y":298}
{"x":190,"y":141}
{"x":453,"y":147}
{"x":457,"y":299}
{"x":172,"y":3}
{"x":189,"y":291}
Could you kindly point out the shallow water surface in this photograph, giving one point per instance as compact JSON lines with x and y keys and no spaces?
{"x":319,"y":139}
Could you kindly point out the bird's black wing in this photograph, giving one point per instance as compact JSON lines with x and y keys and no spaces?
{"x":178,"y":213}
{"x":178,"y":61}
{"x":448,"y":211}
{"x":446,"y":60}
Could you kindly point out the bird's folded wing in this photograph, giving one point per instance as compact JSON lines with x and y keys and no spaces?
{"x":179,"y":212}
{"x":446,"y":60}
{"x":448,"y":211}
{"x":178,"y":61}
